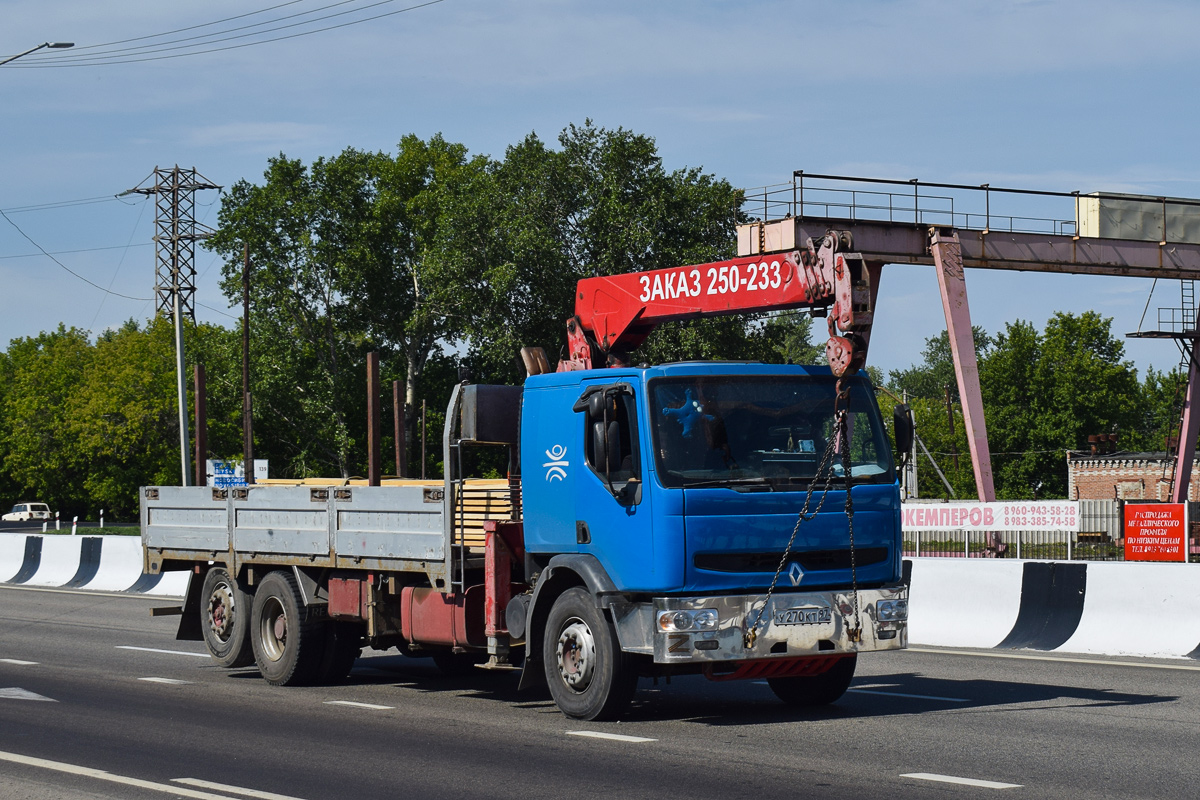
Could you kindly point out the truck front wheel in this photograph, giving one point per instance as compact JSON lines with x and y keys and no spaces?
{"x":224,"y":615}
{"x":816,"y":690}
{"x":289,"y":646}
{"x":589,"y":676}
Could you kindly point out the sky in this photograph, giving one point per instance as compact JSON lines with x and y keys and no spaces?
{"x":1059,"y":95}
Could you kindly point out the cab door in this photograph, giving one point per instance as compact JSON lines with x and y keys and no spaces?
{"x":613,"y":505}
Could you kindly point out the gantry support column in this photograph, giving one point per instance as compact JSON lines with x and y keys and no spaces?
{"x":1188,"y":431}
{"x":947,"y":259}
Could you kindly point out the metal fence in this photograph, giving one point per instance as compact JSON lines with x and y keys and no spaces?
{"x":1099,"y":538}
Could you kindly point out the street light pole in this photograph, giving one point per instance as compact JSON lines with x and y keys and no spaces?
{"x":51,"y":45}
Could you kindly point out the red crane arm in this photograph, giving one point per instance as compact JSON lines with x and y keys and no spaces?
{"x":615,"y":313}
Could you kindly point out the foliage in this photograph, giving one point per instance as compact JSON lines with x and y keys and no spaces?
{"x":358,"y":252}
{"x":84,"y":425}
{"x":1044,"y":393}
{"x":603,"y":204}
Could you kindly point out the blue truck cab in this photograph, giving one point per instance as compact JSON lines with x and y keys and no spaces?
{"x":687,"y":499}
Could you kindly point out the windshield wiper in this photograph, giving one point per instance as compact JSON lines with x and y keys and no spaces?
{"x":730,"y":483}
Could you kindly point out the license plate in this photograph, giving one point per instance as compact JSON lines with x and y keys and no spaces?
{"x":803,"y":616}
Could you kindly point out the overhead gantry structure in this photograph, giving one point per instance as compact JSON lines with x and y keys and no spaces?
{"x":1111,"y":234}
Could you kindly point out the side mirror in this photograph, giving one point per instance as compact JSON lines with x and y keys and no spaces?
{"x":902,"y":423}
{"x":606,"y":446}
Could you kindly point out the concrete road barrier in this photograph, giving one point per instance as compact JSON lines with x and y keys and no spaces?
{"x":953,"y":604}
{"x":1152,"y":610}
{"x":101,"y":563}
{"x":1106,"y":608}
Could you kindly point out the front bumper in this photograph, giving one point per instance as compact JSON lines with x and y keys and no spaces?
{"x":795,"y":624}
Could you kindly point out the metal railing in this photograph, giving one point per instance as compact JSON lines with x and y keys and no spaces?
{"x":963,"y":206}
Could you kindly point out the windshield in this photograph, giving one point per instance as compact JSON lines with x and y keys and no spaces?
{"x":766,"y":431}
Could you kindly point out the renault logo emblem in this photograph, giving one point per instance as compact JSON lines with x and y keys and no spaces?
{"x":795,"y":573}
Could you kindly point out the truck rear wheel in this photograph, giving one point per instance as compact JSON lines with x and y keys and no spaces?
{"x":224,"y":616}
{"x":816,"y":690}
{"x":588,"y":675}
{"x":289,"y":647}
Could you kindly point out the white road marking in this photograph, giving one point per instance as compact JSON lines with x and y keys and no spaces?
{"x":353,"y":704}
{"x":1060,"y":659}
{"x":18,"y":662}
{"x":912,"y":696}
{"x":930,"y":776}
{"x":221,"y":787}
{"x":101,"y":775}
{"x":156,"y":650}
{"x":616,"y":737}
{"x":172,"y":681}
{"x":23,"y":694}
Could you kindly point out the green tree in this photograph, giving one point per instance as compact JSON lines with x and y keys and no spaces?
{"x":1160,"y":408}
{"x":41,"y":453}
{"x":122,"y":417}
{"x":931,"y":378}
{"x":357,"y":252}
{"x":1045,"y":393}
{"x":603,"y":204}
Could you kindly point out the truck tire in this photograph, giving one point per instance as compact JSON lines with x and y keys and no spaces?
{"x":224,"y":619}
{"x":816,"y":690}
{"x":288,"y":646}
{"x":343,"y":645}
{"x":588,"y":674}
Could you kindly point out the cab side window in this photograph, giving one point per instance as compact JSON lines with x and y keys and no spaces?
{"x":610,"y":439}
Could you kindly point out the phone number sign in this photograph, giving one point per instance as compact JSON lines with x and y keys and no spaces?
{"x":1156,"y":532}
{"x":1048,"y":515}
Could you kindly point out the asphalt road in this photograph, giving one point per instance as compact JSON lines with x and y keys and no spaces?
{"x":97,"y":700}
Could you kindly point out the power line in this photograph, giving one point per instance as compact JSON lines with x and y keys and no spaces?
{"x":64,"y":266}
{"x":121,"y":262}
{"x":149,"y":48}
{"x":81,"y":250}
{"x":219,"y":311}
{"x":189,"y":28}
{"x":96,"y":60}
{"x":86,"y":201}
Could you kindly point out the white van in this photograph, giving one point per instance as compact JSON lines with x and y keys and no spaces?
{"x":27,"y":511}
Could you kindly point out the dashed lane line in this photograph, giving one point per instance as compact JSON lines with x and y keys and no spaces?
{"x":353,"y":704}
{"x":980,"y":784}
{"x":221,"y":787}
{"x":18,"y":662}
{"x":616,"y":737}
{"x":911,"y":696}
{"x":169,"y":681}
{"x":156,"y":650}
{"x":15,"y":693}
{"x":101,"y":775}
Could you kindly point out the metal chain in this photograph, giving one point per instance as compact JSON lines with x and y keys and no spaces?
{"x":825,"y":467}
{"x":855,"y":633}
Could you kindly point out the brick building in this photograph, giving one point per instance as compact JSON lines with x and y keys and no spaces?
{"x":1125,"y":476}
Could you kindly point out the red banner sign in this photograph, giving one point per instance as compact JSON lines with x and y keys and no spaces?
{"x":1156,"y":532}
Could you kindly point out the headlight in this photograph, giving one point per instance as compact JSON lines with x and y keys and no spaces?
{"x":891,"y":610}
{"x":703,"y":620}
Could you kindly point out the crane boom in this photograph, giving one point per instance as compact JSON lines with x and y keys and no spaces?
{"x":615,"y":313}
